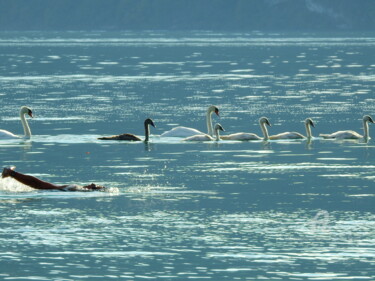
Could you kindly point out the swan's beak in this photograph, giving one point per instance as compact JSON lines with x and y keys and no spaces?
{"x":30,"y":113}
{"x":217,"y":112}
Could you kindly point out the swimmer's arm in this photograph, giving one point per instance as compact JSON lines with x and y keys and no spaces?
{"x":34,"y":182}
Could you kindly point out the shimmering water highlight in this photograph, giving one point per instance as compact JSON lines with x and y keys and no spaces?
{"x":227,"y":210}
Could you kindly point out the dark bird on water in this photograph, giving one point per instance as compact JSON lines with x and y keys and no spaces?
{"x":131,"y":137}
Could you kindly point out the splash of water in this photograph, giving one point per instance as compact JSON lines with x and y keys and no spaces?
{"x":11,"y":185}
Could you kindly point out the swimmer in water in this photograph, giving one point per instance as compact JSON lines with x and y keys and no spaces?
{"x":39,"y":184}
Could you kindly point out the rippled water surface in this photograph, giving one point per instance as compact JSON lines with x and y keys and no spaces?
{"x":227,"y":210}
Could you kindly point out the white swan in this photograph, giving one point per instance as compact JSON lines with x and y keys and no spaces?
{"x":187,"y":132}
{"x":250,"y":136}
{"x":206,"y":137}
{"x":8,"y":135}
{"x":294,"y":135}
{"x":349,"y":134}
{"x":131,"y":137}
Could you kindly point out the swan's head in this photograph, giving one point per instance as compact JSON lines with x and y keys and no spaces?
{"x":310,"y":122}
{"x":26,"y":110}
{"x":218,"y":127}
{"x":212,"y":109}
{"x":367,"y":118}
{"x":149,"y":121}
{"x":264,"y":120}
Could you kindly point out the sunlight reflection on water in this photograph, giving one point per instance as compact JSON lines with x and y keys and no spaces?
{"x":215,"y":210}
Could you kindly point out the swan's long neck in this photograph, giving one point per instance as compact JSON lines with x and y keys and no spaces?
{"x":308,"y":130}
{"x":25,"y":125}
{"x":147,"y":132}
{"x":366,"y":129}
{"x":217,"y":134}
{"x":209,"y":122}
{"x":264,"y":130}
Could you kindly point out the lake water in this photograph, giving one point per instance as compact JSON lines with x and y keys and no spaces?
{"x":278,"y":210}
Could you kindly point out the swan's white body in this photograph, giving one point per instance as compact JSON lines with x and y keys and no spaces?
{"x":187,"y":132}
{"x":250,"y":136}
{"x":349,"y":134}
{"x":206,"y":137}
{"x":342,"y":135}
{"x":181,"y":131}
{"x":294,"y":135}
{"x":8,"y":135}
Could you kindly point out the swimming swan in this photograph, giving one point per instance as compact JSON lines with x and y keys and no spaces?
{"x":294,"y":135}
{"x":8,"y":135}
{"x":349,"y":134}
{"x":250,"y":136}
{"x":187,"y":132}
{"x":131,"y":137}
{"x":206,"y":137}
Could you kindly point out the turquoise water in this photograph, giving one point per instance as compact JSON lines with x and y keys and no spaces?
{"x":277,"y":210}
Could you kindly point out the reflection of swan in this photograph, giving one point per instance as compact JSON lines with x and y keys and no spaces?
{"x":295,"y":135}
{"x":8,"y":135}
{"x":349,"y":134}
{"x":187,"y":132}
{"x":250,"y":136}
{"x":206,"y":137}
{"x":131,"y":137}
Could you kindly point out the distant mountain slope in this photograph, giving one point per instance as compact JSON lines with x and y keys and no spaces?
{"x":299,"y":15}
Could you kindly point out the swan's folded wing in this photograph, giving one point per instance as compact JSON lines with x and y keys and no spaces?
{"x":181,"y":132}
{"x":241,"y":137}
{"x":7,"y":135}
{"x":203,"y":137}
{"x":287,"y":135}
{"x":124,"y":137}
{"x":342,"y":135}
